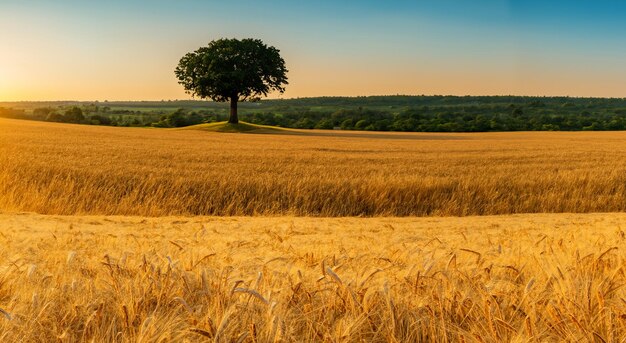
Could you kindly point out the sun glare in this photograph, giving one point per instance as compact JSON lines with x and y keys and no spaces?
{"x":5,"y":83}
{"x":3,"y":79}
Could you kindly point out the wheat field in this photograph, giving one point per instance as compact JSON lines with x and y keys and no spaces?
{"x":154,"y":235}
{"x":77,"y":169}
{"x":520,"y":278}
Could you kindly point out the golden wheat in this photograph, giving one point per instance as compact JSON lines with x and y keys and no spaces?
{"x":522,"y":278}
{"x":475,"y":279}
{"x":73,"y":169}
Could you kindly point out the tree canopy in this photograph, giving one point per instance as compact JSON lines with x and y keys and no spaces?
{"x":233,"y":70}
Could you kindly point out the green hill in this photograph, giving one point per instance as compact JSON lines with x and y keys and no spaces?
{"x":242,"y":127}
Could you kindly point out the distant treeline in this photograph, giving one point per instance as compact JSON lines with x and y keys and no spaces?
{"x":104,"y":116}
{"x":380,"y":113}
{"x":438,"y":119}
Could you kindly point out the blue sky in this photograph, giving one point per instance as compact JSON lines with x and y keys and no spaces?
{"x":127,"y":50}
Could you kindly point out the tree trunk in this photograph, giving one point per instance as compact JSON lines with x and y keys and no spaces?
{"x":233,"y":111}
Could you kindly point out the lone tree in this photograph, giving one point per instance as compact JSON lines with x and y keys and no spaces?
{"x":233,"y":70}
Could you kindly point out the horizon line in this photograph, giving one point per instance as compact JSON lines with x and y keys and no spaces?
{"x":328,"y":96}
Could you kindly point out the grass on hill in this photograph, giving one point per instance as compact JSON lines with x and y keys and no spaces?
{"x":241,"y":127}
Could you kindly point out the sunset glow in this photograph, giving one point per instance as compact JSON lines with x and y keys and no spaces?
{"x":116,"y":50}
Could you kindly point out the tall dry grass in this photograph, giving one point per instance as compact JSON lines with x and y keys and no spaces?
{"x":72,"y":169}
{"x":527,"y":278}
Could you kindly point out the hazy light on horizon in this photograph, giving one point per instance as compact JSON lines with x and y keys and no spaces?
{"x":74,"y":50}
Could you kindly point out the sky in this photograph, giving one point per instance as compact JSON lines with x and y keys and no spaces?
{"x":127,"y":50}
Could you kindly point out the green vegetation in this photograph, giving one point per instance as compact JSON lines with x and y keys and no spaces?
{"x":240,"y":127}
{"x":381,"y":113}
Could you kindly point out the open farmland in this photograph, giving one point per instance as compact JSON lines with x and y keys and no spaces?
{"x":75,"y":169}
{"x":521,"y":278}
{"x":88,"y":271}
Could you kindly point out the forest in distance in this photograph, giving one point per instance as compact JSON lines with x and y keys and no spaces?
{"x":371,"y":113}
